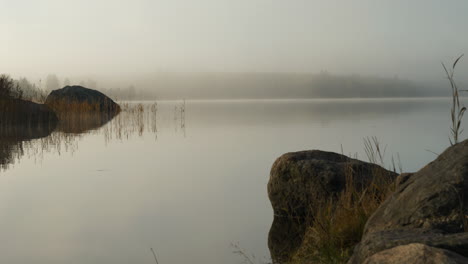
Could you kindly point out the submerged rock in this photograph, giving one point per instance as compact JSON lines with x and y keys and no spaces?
{"x":78,"y":98}
{"x":428,"y":207}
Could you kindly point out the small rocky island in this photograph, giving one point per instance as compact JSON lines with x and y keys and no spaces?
{"x":72,"y":109}
{"x":79,"y":98}
{"x":80,"y":109}
{"x":62,"y":108}
{"x":423,"y":220}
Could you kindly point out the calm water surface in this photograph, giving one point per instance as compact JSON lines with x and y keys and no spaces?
{"x":186,"y":181}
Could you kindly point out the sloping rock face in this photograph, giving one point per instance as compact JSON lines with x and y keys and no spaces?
{"x":82,"y":99}
{"x":21,"y":112}
{"x":428,"y":207}
{"x":416,"y":254}
{"x":299,"y":179}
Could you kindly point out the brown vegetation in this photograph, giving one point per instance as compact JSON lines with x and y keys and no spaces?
{"x":336,"y":225}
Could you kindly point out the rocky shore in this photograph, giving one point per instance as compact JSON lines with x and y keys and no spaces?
{"x":424,"y":220}
{"x":17,"y":112}
{"x":71,"y":98}
{"x":22,"y":120}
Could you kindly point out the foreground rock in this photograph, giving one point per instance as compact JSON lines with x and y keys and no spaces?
{"x":78,"y":98}
{"x":429,"y":207}
{"x":416,"y":254}
{"x":300,"y":182}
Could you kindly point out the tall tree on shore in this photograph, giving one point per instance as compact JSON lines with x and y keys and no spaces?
{"x":9,"y":88}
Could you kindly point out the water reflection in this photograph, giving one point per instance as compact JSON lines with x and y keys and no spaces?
{"x":14,"y":139}
{"x":165,"y":175}
{"x":79,"y":123}
{"x":137,"y":118}
{"x":284,"y":238}
{"x":37,"y":138}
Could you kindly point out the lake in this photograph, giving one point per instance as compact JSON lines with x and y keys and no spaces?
{"x":186,"y":179}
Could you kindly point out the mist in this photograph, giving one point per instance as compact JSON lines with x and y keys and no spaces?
{"x":147,"y":44}
{"x":233,"y":131}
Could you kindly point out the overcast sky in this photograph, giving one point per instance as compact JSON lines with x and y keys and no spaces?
{"x":369,"y":37}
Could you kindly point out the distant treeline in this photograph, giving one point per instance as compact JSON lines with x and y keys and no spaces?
{"x":22,"y":88}
{"x":282,"y":85}
{"x":161,"y":86}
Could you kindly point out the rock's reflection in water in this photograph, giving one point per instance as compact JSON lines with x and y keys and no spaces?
{"x":212,"y":182}
{"x":14,"y":139}
{"x":79,"y":123}
{"x":37,"y":138}
{"x":285,"y":237}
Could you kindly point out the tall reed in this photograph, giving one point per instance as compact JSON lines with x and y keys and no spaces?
{"x":456,"y":111}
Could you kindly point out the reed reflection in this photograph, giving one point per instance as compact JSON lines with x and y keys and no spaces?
{"x":16,"y":140}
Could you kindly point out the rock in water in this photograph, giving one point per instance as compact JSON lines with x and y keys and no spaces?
{"x":428,"y":207}
{"x":79,"y":98}
{"x":299,"y":179}
{"x":302,"y":181}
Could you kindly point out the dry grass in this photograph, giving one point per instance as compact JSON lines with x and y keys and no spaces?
{"x":65,"y":107}
{"x":336,"y":225}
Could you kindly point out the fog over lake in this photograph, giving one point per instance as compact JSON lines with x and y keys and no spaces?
{"x":123,"y":43}
{"x":191,"y":183}
{"x":144,"y":131}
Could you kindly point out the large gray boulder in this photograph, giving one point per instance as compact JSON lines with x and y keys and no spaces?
{"x":81,"y":98}
{"x":428,"y":207}
{"x":299,"y":180}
